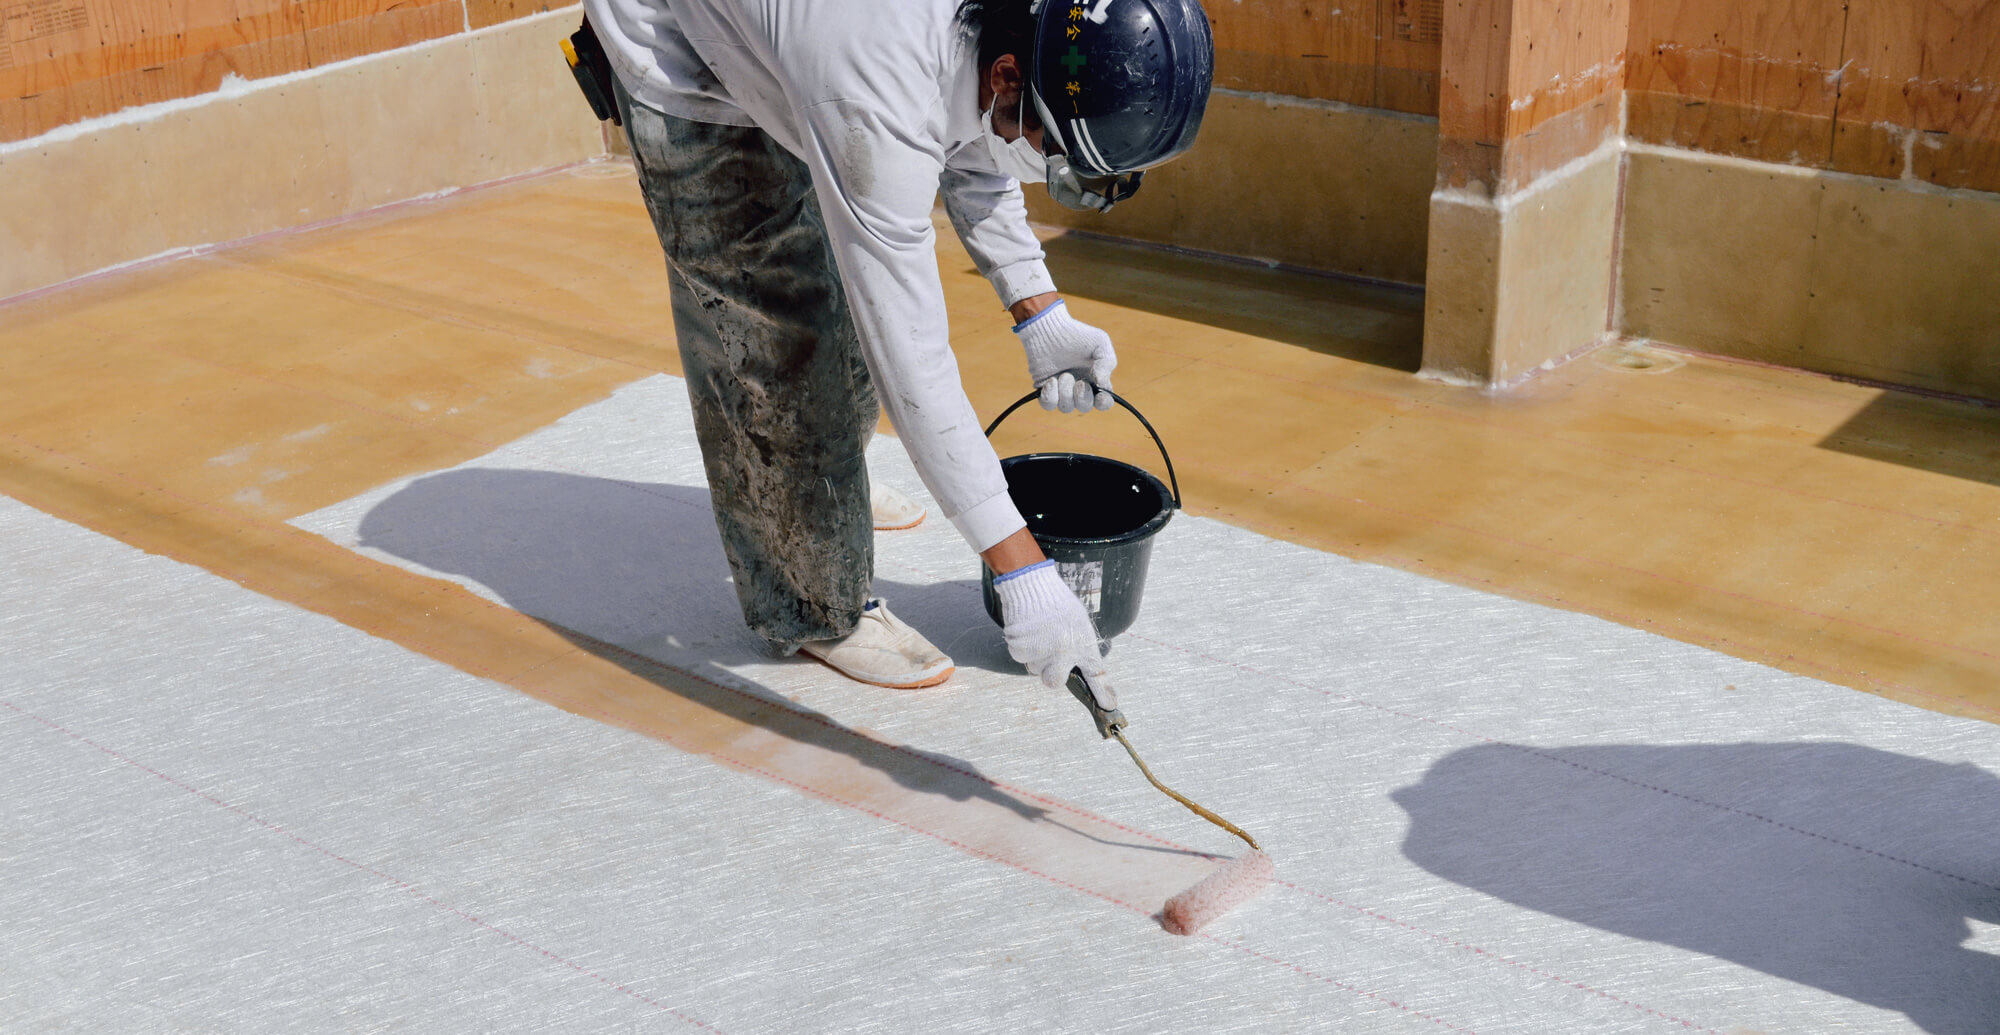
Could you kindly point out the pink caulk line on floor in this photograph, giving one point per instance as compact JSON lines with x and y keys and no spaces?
{"x":1636,"y":622}
{"x":821,"y":720}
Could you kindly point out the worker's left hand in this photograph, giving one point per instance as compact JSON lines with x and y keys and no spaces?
{"x":1070,"y":361}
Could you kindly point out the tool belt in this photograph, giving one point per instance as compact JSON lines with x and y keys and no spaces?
{"x":593,"y":72}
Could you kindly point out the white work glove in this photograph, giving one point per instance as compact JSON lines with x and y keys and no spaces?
{"x":1066,"y":357}
{"x":1048,"y":630}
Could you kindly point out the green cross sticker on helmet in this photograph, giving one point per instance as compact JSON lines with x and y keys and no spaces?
{"x":1137,"y":83}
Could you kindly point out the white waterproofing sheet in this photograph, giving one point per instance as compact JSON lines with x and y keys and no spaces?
{"x":223,"y":813}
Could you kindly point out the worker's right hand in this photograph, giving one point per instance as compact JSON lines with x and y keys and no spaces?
{"x":1069,"y":360}
{"x":1048,"y":630}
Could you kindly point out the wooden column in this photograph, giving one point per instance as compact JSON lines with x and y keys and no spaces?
{"x":1524,"y":212}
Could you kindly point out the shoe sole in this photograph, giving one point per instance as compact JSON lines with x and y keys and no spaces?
{"x":918,"y":685}
{"x":898,"y":528}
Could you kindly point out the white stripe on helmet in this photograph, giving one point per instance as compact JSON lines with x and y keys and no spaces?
{"x":1088,"y":146}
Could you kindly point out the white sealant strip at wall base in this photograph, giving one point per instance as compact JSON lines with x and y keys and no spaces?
{"x":1906,"y":182}
{"x":1283,"y":100}
{"x":1507,"y":201}
{"x":1622,"y":144}
{"x":234,"y":86}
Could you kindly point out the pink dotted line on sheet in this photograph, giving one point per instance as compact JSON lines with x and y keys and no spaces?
{"x":1351,"y":699}
{"x":1378,"y":997}
{"x":612,"y":648}
{"x":569,"y":469}
{"x":758,"y":770}
{"x":633,"y":655}
{"x":1372,"y":913}
{"x":405,"y":574}
{"x":1031,"y":871}
{"x":1377,"y":914}
{"x":1476,"y":950}
{"x":1780,"y":824}
{"x":500,"y":677}
{"x":363,"y":867}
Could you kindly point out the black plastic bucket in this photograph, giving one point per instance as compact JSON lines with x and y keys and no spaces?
{"x":1095,"y":517}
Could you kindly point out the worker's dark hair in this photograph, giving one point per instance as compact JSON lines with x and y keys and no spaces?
{"x":1001,"y":26}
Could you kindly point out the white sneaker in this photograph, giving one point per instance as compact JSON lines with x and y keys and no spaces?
{"x":883,"y":651}
{"x":892,"y":509}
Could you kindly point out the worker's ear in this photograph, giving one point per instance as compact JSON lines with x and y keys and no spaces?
{"x":1004,"y":77}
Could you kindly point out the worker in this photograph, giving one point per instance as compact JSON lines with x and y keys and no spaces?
{"x":790,"y":153}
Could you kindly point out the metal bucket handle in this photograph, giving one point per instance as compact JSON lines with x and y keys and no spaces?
{"x":1120,"y":400}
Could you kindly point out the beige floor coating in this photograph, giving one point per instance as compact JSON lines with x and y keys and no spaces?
{"x":1826,"y":528}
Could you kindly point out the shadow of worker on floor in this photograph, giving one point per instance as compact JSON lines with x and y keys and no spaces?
{"x":634,"y":573}
{"x":1837,"y":866}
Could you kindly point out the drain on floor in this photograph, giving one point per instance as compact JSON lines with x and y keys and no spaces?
{"x":1637,"y":358}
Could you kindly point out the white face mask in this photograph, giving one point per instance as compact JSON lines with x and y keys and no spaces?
{"x":1017,"y":158}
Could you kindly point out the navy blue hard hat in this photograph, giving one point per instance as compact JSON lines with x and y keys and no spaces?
{"x":1120,"y":85}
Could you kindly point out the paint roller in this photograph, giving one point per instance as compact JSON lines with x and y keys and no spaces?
{"x":1230,"y":885}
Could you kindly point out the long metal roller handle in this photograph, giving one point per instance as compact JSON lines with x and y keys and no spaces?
{"x":1177,"y":796}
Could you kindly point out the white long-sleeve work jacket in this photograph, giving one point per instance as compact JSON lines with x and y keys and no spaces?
{"x":880,"y":100}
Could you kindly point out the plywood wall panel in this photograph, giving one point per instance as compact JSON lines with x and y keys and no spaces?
{"x":1757,"y":80}
{"x":1920,"y":92}
{"x":1472,"y":94}
{"x":338,"y":31}
{"x":1409,"y":39}
{"x":63,"y":60}
{"x":1741,"y":130}
{"x":57,"y":93}
{"x":482,"y":13}
{"x":1768,"y":54}
{"x":1565,"y":55}
{"x":472,"y":109}
{"x":106,"y":39}
{"x":1299,"y":48}
{"x":1527,"y":87}
{"x":66,"y":60}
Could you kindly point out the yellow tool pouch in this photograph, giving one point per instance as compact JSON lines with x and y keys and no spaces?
{"x":593,"y":72}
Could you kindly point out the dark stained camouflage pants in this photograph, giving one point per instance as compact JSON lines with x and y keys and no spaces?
{"x":783,"y":404}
